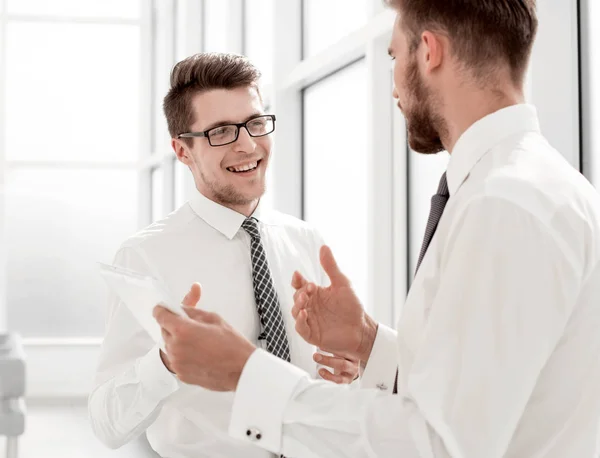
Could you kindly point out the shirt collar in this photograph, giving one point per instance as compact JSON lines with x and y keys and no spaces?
{"x":485,"y":134}
{"x":225,"y":220}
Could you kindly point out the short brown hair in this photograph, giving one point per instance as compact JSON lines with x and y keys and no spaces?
{"x":483,"y":33}
{"x":203,"y":72}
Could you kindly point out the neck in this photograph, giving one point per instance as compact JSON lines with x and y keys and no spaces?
{"x":244,"y":209}
{"x":467,"y":106}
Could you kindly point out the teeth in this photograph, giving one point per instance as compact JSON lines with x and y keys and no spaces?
{"x":243,"y":168}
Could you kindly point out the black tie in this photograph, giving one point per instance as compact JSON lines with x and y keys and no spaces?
{"x":267,"y":302}
{"x":438,"y":203}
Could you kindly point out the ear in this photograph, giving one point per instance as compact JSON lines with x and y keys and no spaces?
{"x":181,"y":151}
{"x":434,"y":49}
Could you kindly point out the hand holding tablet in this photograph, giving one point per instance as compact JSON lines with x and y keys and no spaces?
{"x":141,"y":293}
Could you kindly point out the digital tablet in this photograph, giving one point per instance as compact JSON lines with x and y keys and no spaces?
{"x":141,"y":293}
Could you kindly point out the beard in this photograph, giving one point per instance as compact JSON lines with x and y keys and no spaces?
{"x":424,"y":124}
{"x":227,"y":195}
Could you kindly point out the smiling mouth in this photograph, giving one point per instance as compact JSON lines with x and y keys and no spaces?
{"x":251,"y":166}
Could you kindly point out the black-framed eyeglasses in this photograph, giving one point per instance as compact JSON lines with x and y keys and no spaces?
{"x":258,"y":126}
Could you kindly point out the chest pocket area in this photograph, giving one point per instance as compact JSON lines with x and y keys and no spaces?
{"x":287,"y":253}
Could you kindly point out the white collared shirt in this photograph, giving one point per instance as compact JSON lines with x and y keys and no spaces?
{"x":204,"y":242}
{"x":498,"y":343}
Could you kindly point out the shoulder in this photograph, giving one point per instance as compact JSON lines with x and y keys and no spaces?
{"x":161,"y":231}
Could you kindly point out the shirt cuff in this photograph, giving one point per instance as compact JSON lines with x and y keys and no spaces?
{"x":155,"y":378}
{"x":380,"y":371}
{"x":266,"y":385}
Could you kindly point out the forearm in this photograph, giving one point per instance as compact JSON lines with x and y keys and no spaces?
{"x":123,"y":406}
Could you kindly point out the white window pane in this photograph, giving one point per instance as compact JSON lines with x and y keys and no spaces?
{"x":216,"y":26}
{"x":72,"y":92}
{"x":259,"y":36}
{"x":325,"y":22}
{"x":335,"y":168}
{"x":127,"y":9}
{"x":163,"y":63}
{"x":425,"y":171}
{"x":59,"y":224}
{"x":157,"y":193}
{"x":183,"y":181}
{"x":592,"y":156}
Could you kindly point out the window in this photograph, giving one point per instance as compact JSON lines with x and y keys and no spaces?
{"x":70,"y":152}
{"x":335,"y":168}
{"x":60,"y":221}
{"x":591,"y":92}
{"x":157,"y":195}
{"x":424,"y":173}
{"x":64,"y":98}
{"x":120,"y":9}
{"x":258,"y":39}
{"x":216,"y":31}
{"x":325,"y":22}
{"x":182,"y":177}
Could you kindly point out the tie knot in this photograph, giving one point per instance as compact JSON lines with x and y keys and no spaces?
{"x":443,"y":187}
{"x":250,"y":225}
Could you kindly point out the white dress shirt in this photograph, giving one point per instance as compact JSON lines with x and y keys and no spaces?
{"x":204,"y":242}
{"x":498,"y":343}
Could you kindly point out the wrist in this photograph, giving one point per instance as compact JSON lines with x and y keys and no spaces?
{"x":369,"y":332}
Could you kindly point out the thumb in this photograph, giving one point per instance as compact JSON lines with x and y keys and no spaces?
{"x":331,"y":268}
{"x":197,"y":314}
{"x":192,"y":298}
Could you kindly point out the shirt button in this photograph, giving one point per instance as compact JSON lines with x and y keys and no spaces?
{"x":382,"y":387}
{"x":254,"y":434}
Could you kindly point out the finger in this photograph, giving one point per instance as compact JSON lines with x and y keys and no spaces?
{"x":298,"y":292}
{"x":193,"y":296}
{"x":302,"y":326}
{"x":338,"y":364}
{"x":331,"y":268}
{"x":166,"y":336}
{"x":300,"y":303}
{"x":298,"y":281}
{"x":326,"y":375}
{"x":166,"y":319}
{"x":348,"y":378}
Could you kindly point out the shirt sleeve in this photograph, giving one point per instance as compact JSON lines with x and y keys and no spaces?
{"x":131,"y":381}
{"x":291,"y":414}
{"x":380,"y":370}
{"x":506,"y":290}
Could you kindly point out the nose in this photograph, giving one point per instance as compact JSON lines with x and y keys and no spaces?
{"x":395,"y":93}
{"x":245,"y":143}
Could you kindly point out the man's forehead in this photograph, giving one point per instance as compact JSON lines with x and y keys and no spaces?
{"x":225,"y":105}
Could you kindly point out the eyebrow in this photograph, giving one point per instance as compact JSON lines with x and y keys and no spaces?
{"x":224,"y":123}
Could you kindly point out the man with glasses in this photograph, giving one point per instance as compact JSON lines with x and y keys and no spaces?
{"x":243,"y":255}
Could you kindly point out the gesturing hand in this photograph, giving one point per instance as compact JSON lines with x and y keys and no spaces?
{"x":332,"y":318}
